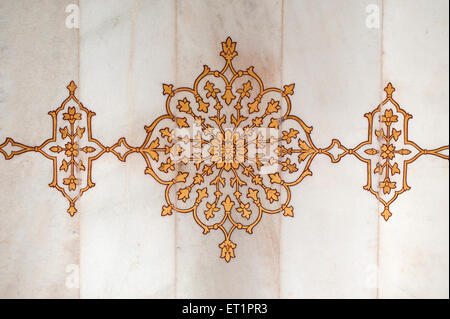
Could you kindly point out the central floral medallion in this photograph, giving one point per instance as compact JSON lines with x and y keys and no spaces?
{"x":227,"y":150}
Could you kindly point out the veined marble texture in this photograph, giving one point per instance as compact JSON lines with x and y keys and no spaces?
{"x":360,"y":69}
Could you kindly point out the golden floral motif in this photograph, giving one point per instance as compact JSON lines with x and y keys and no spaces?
{"x":387,"y":163}
{"x":74,"y":114}
{"x":388,"y":151}
{"x":71,"y":182}
{"x":227,"y":150}
{"x":388,"y":118}
{"x":231,"y":183}
{"x":72,"y":149}
{"x":227,"y":247}
{"x":387,"y":185}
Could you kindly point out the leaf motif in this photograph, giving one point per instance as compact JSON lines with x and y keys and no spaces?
{"x":404,"y":151}
{"x":303,"y":145}
{"x":166,"y":210}
{"x":247,"y":170}
{"x":246,"y":88}
{"x":289,"y":211}
{"x":211,"y":210}
{"x":228,"y":204}
{"x":257,"y":180}
{"x":64,"y":132}
{"x":181,"y":177}
{"x":81,"y":166}
{"x":56,"y":149}
{"x":243,"y":209}
{"x":273,"y":123}
{"x":166,"y":166}
{"x":183,"y":194}
{"x":166,"y":132}
{"x":151,"y":149}
{"x":288,"y":166}
{"x":198,"y":179}
{"x":64,"y":166}
{"x":386,"y":213}
{"x":246,"y":213}
{"x":395,"y":169}
{"x":275,"y":178}
{"x":212,"y":92}
{"x":202,"y":106}
{"x":217,"y":120}
{"x":228,"y":49}
{"x":371,"y":151}
{"x":167,"y":89}
{"x":184,"y":106}
{"x":396,"y":134}
{"x":304,"y":155}
{"x":227,"y":249}
{"x":389,"y":90}
{"x":88,"y":149}
{"x":72,"y":210}
{"x":182,"y":122}
{"x":228,"y":96}
{"x":288,"y":136}
{"x":218,"y":179}
{"x":80,"y":131}
{"x":281,"y":151}
{"x":253,"y":107}
{"x":273,"y":106}
{"x":378,"y":169}
{"x":272,"y":194}
{"x":289,"y":89}
{"x":257,"y":122}
{"x":235,"y":180}
{"x":202,"y":193}
{"x":253,"y":194}
{"x":208,"y":170}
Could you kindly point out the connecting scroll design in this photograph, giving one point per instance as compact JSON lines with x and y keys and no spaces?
{"x":228,"y":150}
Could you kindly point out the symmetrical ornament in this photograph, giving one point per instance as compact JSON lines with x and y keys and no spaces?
{"x":222,"y":152}
{"x":72,"y":149}
{"x":228,"y":150}
{"x":388,"y":151}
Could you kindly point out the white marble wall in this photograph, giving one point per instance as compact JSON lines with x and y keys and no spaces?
{"x":334,"y":59}
{"x":123,"y":253}
{"x":38,"y":239}
{"x":414,"y":247}
{"x":336,"y":246}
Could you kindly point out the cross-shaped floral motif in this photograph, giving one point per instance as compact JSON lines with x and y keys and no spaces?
{"x":388,"y":151}
{"x":71,"y":128}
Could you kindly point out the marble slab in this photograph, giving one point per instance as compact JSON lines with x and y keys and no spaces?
{"x":340,"y":54}
{"x":39,"y":242}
